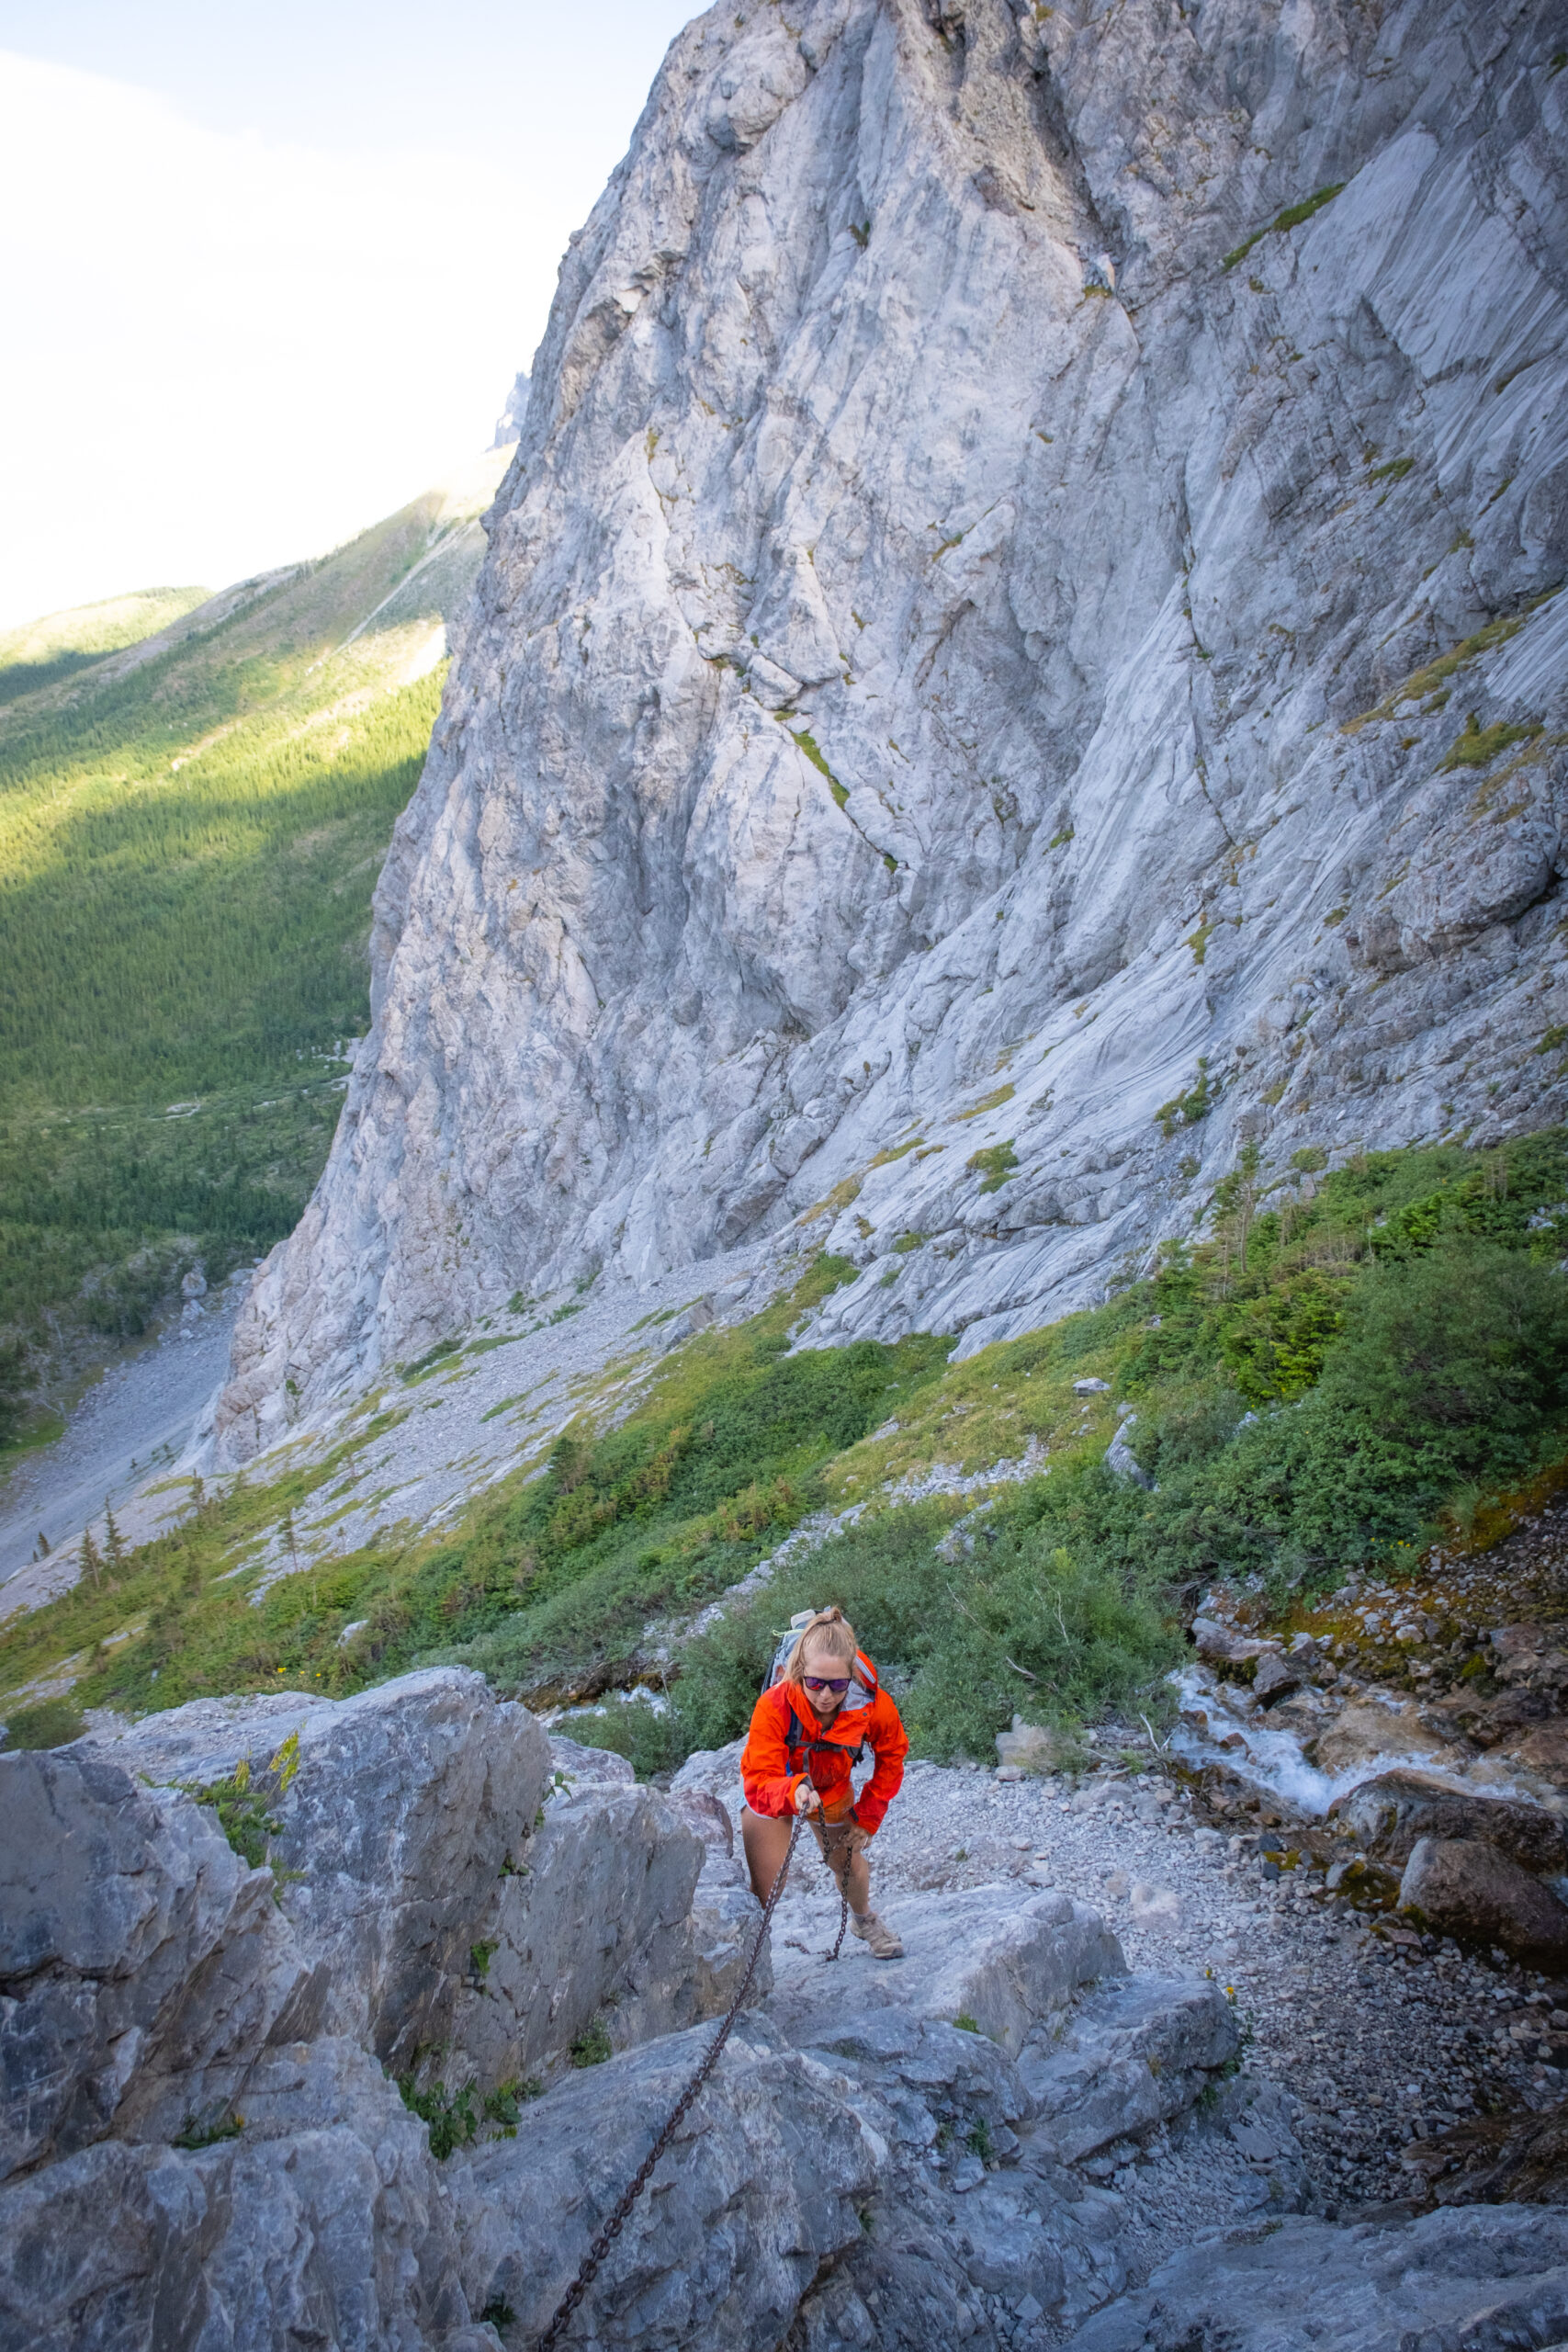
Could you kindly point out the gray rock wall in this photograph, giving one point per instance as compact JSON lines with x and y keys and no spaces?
{"x":201,"y":2138}
{"x":1005,"y":604}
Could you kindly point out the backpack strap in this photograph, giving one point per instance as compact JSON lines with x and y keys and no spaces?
{"x":798,"y":1739}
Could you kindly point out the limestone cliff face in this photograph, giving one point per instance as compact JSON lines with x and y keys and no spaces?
{"x":1024,"y":594}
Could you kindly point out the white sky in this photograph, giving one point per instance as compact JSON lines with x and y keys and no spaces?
{"x":270,"y":266}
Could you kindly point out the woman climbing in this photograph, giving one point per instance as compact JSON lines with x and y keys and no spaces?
{"x":821,"y":1710}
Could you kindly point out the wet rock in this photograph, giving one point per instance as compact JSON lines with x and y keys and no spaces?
{"x":761,"y":2188}
{"x":1364,"y":1732}
{"x":1543,"y":1750}
{"x":1276,"y":1677}
{"x":1128,"y":2057}
{"x":1493,"y":2277}
{"x":1218,"y":1644}
{"x":1390,"y":1813}
{"x":1463,"y":1887}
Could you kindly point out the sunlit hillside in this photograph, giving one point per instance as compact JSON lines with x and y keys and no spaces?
{"x":191,"y":825}
{"x":42,"y":652}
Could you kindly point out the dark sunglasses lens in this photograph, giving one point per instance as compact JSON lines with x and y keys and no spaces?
{"x":826,"y":1682}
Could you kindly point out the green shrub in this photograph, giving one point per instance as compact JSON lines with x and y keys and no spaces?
{"x":1022,"y":1626}
{"x":52,"y":1723}
{"x":449,"y":2116}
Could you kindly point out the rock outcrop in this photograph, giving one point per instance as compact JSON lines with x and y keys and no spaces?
{"x":205,"y":2050}
{"x":1495,"y":2275}
{"x":1017,"y":649}
{"x":383,"y":2086}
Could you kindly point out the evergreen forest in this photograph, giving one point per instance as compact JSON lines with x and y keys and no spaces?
{"x":195,"y":797}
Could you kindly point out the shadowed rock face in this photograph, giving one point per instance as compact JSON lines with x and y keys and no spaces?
{"x":966,"y":589}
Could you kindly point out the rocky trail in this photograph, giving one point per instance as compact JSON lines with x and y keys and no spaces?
{"x":1366,"y":2047}
{"x":357,"y":2015}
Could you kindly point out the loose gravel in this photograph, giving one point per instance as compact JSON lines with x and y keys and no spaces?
{"x":1373,"y":2047}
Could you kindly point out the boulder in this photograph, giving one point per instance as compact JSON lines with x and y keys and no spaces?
{"x":1390,"y":1813}
{"x":1126,"y":2057}
{"x":1368,"y":1733}
{"x":760,"y":2189}
{"x":1220,"y":1645}
{"x":1275,"y":1677}
{"x":320,"y":2222}
{"x":1543,"y":1752}
{"x":621,"y":1914}
{"x":571,"y":1758}
{"x":1155,"y":1909}
{"x":197,"y":2156}
{"x":999,"y":1955}
{"x":1122,"y":1463}
{"x":144,"y":1964}
{"x":386,"y":1894}
{"x":1484,"y":2277}
{"x":1464,"y":1887}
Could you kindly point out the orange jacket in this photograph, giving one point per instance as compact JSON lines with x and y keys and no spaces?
{"x":771,"y":1772}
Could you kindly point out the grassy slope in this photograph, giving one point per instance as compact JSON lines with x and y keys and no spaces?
{"x":1398,"y":1328}
{"x":43,"y":652}
{"x":190,"y":837}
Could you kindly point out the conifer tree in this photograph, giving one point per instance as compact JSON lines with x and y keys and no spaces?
{"x":113,"y":1545}
{"x":91,"y":1563}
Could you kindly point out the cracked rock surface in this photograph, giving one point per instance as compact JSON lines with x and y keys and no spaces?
{"x":1018,"y":650}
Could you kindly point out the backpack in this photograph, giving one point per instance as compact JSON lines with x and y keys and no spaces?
{"x":863,"y":1690}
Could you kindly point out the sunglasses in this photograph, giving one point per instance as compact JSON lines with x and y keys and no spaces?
{"x":827,"y":1683}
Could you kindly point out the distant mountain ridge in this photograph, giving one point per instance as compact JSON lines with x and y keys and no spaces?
{"x":40,"y":653}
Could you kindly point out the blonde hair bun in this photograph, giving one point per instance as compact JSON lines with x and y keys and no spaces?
{"x":832,"y":1632}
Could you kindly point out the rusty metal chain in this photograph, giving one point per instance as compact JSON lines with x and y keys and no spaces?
{"x":612,"y":2227}
{"x":848,"y":1853}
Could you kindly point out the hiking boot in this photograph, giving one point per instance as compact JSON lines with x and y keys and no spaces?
{"x":884,"y":1944}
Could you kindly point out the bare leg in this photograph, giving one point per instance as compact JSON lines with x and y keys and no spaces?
{"x":765,"y":1837}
